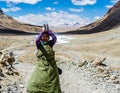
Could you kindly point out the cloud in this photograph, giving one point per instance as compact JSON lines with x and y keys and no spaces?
{"x":55,"y":3}
{"x":50,"y":9}
{"x":76,"y":10}
{"x":83,"y":2}
{"x":53,"y":18}
{"x":23,"y":1}
{"x":97,"y":17}
{"x":11,"y":9}
{"x":109,"y":6}
{"x":114,"y":1}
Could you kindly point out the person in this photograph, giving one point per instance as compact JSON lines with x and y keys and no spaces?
{"x":45,"y":78}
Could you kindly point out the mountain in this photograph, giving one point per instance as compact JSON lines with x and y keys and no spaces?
{"x":10,"y":25}
{"x":76,"y":24}
{"x":110,"y":20}
{"x":63,"y":25}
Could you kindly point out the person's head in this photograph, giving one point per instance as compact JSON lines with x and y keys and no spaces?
{"x":45,"y":37}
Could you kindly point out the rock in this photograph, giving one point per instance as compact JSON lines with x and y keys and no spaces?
{"x":113,"y":77}
{"x":10,"y":59}
{"x":0,"y":69}
{"x":101,"y":75}
{"x":0,"y":86}
{"x":0,"y":53}
{"x":116,"y":81}
{"x":21,"y":86}
{"x":105,"y":75}
{"x":100,"y":69}
{"x":82,"y":63}
{"x":1,"y":74}
{"x":118,"y":87}
{"x":3,"y":58}
{"x":97,"y":75}
{"x":98,"y":61}
{"x":106,"y":71}
{"x":16,"y":73}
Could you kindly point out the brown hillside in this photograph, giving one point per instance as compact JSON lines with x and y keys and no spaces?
{"x":10,"y":25}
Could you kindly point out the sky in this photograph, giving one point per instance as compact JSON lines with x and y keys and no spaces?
{"x":57,"y":13}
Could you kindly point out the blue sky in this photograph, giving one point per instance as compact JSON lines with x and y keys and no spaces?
{"x":56,"y":12}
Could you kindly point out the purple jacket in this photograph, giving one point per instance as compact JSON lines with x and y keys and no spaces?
{"x":51,"y":42}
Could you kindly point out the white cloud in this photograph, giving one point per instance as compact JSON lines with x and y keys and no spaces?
{"x":55,"y":2}
{"x":97,"y":17}
{"x":50,"y":9}
{"x":23,"y":1}
{"x":76,"y":10}
{"x":11,"y":9}
{"x":53,"y":18}
{"x":114,"y":1}
{"x":83,"y":2}
{"x":109,"y":6}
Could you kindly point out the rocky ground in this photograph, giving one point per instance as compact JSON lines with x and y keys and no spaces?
{"x":89,"y":63}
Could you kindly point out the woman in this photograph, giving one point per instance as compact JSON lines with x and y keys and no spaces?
{"x":45,"y":78}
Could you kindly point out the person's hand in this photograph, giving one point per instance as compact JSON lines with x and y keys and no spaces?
{"x":50,"y":32}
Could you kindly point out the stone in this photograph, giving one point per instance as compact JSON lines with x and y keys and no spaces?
{"x":116,"y":81}
{"x":81,"y":63}
{"x":3,"y":58}
{"x":21,"y":86}
{"x":11,"y":59}
{"x":100,"y":69}
{"x":113,"y":77}
{"x":98,"y":61}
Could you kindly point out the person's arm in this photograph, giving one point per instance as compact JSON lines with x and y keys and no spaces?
{"x":54,"y":38}
{"x":38,"y":39}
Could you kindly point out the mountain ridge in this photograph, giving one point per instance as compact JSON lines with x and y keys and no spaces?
{"x":9,"y":25}
{"x":110,"y":20}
